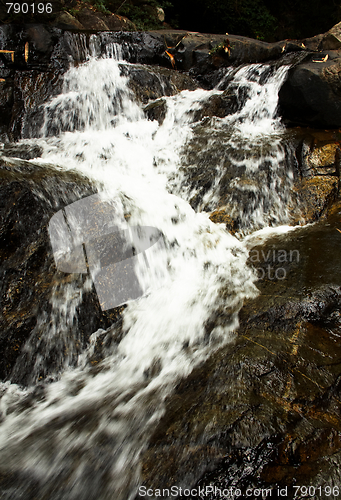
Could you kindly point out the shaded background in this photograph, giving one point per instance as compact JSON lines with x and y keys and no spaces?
{"x":263,"y":19}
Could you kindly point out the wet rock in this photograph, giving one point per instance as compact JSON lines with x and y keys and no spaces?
{"x":197,"y":51}
{"x":156,"y":110}
{"x":23,"y":151}
{"x":322,"y":158}
{"x":6,"y":104}
{"x":201,"y":51}
{"x":316,"y":195}
{"x":221,"y":216}
{"x":309,"y":179}
{"x":30,"y":195}
{"x":318,"y":181}
{"x":221,"y":105}
{"x":311,"y":94}
{"x":262,"y":411}
{"x":32,"y":89}
{"x":150,"y":82}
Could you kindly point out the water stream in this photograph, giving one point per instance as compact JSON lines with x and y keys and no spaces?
{"x":78,"y":433}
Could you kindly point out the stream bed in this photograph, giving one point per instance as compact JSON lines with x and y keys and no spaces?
{"x":212,"y":355}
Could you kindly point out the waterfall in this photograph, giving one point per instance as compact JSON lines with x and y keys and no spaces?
{"x":79,"y":432}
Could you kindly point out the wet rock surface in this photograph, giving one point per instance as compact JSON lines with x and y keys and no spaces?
{"x":30,"y":195}
{"x":149,"y":82}
{"x":263,"y":412}
{"x":311,"y":94}
{"x":312,"y":191}
{"x":41,"y":53}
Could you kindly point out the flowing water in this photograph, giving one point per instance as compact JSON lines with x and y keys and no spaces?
{"x":79,"y":433}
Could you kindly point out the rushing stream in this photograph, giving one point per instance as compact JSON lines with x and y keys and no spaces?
{"x":76,"y":432}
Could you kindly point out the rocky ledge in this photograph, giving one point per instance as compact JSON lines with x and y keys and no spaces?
{"x":30,"y":194}
{"x":36,"y":55}
{"x":263,"y":412}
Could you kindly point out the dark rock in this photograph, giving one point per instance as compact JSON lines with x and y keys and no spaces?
{"x":332,"y":39}
{"x":65,"y":20}
{"x":41,"y":39}
{"x":30,"y":195}
{"x":150,"y":82}
{"x":313,"y":43}
{"x":91,"y":21}
{"x":156,"y":110}
{"x":23,"y":151}
{"x":311,"y":94}
{"x":221,"y":105}
{"x":262,"y":411}
{"x":197,"y":51}
{"x":6,"y":104}
{"x":119,"y":23}
{"x":31,"y":90}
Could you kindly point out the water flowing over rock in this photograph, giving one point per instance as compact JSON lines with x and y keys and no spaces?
{"x":225,"y":370}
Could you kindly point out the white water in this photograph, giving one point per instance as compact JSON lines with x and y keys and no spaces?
{"x":250,"y":144}
{"x":85,"y":438}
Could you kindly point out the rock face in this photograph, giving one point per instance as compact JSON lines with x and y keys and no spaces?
{"x":331,"y":40}
{"x":263,"y":412}
{"x":30,"y":196}
{"x":310,"y":96}
{"x":309,"y":175}
{"x":257,"y":410}
{"x":312,"y":93}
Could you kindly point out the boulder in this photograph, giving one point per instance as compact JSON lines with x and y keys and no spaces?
{"x":260,"y":412}
{"x":65,"y":20}
{"x":221,"y":105}
{"x":202,"y":51}
{"x":30,"y":195}
{"x":150,"y":82}
{"x":119,"y":23}
{"x":22,"y":151}
{"x":91,"y":21}
{"x":311,"y":95}
{"x":156,"y":110}
{"x":315,"y":195}
{"x":332,"y":39}
{"x":97,"y":21}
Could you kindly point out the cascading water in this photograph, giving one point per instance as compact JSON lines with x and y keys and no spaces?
{"x":241,"y":159}
{"x":84,"y":436}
